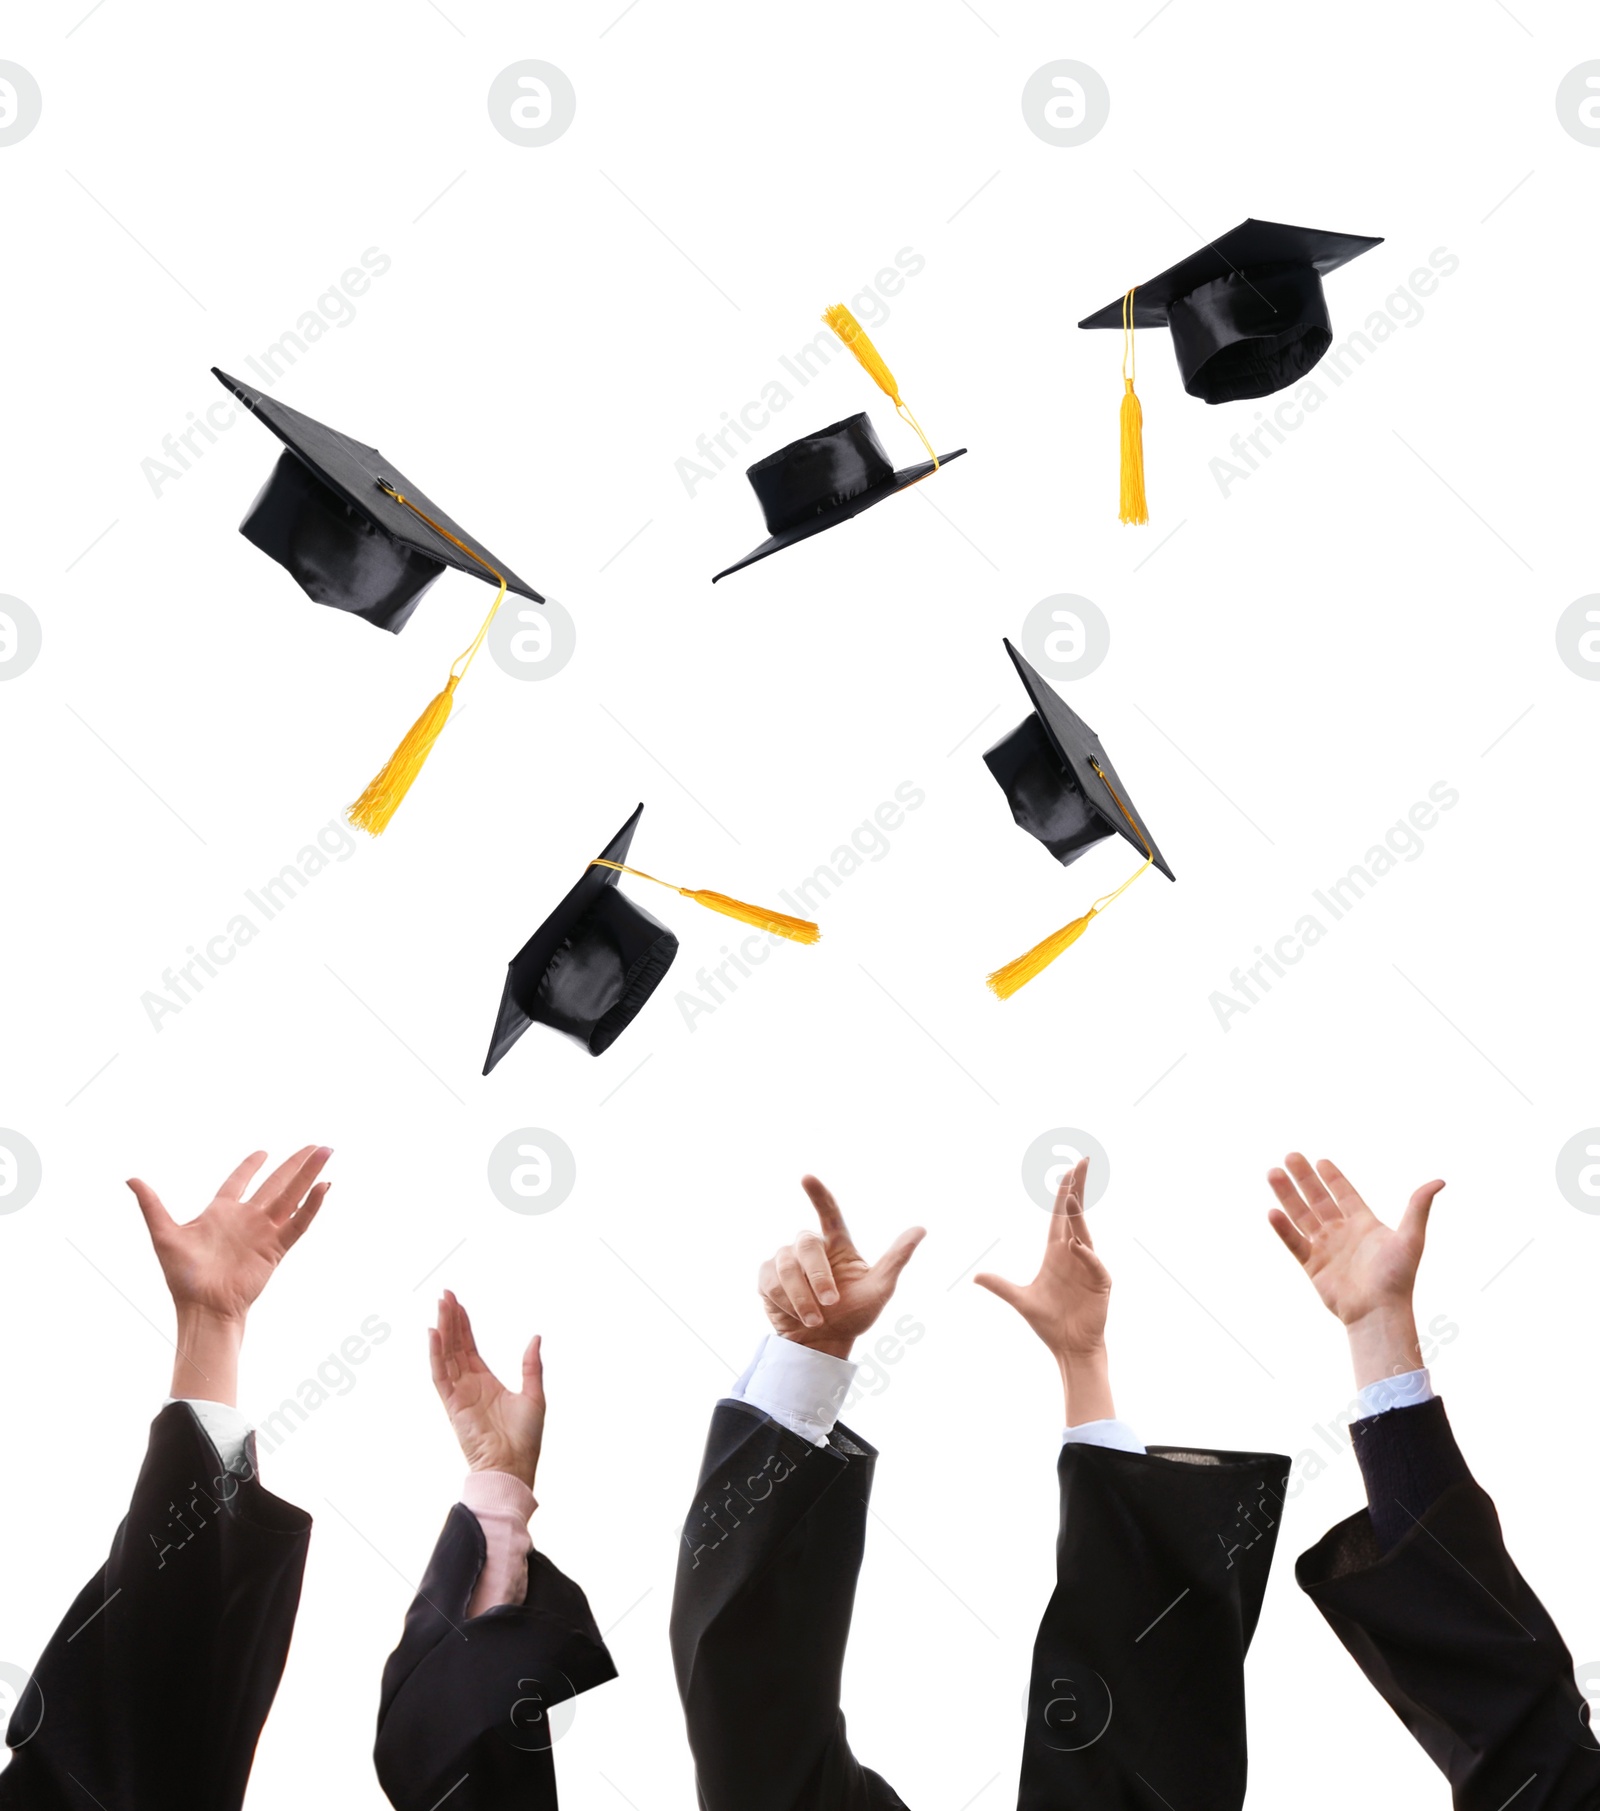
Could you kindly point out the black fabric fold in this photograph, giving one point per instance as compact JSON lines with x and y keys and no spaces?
{"x":465,"y":1706}
{"x":1136,"y":1695}
{"x":761,"y":1610}
{"x":156,"y":1685}
{"x":1448,"y":1631}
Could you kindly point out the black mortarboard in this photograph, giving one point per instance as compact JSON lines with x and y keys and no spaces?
{"x":834,"y":474}
{"x":1247,"y":315}
{"x":329,"y":516}
{"x":825,"y":479}
{"x":590,"y":966}
{"x":1063,"y":790}
{"x":1247,"y":311}
{"x":596,"y":959}
{"x":354,"y":533}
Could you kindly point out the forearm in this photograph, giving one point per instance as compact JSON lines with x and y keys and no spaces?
{"x":1086,"y":1386}
{"x":206,"y":1365}
{"x":1383,"y":1343}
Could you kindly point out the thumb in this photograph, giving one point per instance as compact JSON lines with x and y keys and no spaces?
{"x":156,"y":1218}
{"x":533,"y":1368}
{"x":1414,"y":1222}
{"x":1007,"y":1291}
{"x":894,"y":1260}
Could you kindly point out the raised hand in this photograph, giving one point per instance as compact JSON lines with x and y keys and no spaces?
{"x":498,"y":1429}
{"x":220,"y":1261}
{"x":1067,"y":1302}
{"x":217,"y":1264}
{"x":1363,"y":1270}
{"x":820,"y":1291}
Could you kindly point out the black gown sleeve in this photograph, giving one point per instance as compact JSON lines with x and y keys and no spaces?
{"x":464,"y":1710}
{"x":1136,"y":1696}
{"x":153,"y":1691}
{"x":1447,"y":1629}
{"x":761,"y":1611}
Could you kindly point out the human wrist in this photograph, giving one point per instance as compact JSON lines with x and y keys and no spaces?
{"x":820,"y":1340}
{"x":520,"y":1466}
{"x":1383,"y":1343}
{"x":206,"y":1360}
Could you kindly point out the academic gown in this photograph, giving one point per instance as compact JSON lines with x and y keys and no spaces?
{"x":761,"y":1613}
{"x":1136,"y":1694}
{"x":465,"y":1706}
{"x":1447,"y":1629}
{"x":156,"y":1685}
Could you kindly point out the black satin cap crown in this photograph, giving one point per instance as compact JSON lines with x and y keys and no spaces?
{"x":1045,"y":767}
{"x":812,"y":476}
{"x":824,"y":479}
{"x":1247,"y":311}
{"x":325,"y":518}
{"x":333,"y":552}
{"x":590,"y":966}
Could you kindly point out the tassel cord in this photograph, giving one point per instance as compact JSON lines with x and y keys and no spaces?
{"x":464,"y":659}
{"x":1132,"y":506}
{"x":780,"y":924}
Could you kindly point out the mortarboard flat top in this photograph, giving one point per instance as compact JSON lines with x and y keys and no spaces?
{"x":355,"y":473}
{"x":1247,"y":312}
{"x":1078,"y":747}
{"x":1248,"y":246}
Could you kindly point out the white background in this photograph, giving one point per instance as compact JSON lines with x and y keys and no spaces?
{"x":1371,"y":612}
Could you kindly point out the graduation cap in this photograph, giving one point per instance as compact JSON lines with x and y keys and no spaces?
{"x":1247,"y":315}
{"x":836,"y":473}
{"x":356,"y":535}
{"x":598,"y":957}
{"x":1063,"y":790}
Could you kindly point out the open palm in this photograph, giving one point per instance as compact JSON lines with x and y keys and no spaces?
{"x":1067,"y":1302}
{"x":1356,"y":1263}
{"x":498,"y":1429}
{"x":221,"y":1260}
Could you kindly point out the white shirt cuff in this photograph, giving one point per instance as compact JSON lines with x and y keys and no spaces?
{"x":1115,"y":1434}
{"x":1394,"y":1393}
{"x":225,"y":1426}
{"x":800,"y":1389}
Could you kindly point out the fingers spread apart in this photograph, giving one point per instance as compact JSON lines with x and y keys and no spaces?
{"x":1298,"y":1244}
{"x":233,"y":1189}
{"x":286,"y":1187}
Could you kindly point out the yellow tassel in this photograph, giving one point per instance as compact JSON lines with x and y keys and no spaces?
{"x":797,"y":930}
{"x":1133,"y":508}
{"x":382,"y":799}
{"x":780,"y":924}
{"x":1004,"y":982}
{"x":850,"y":330}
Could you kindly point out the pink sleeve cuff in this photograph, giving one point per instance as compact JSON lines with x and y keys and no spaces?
{"x":503,"y":1505}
